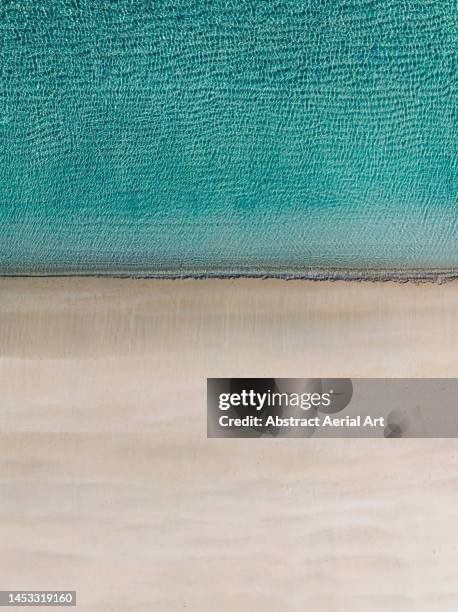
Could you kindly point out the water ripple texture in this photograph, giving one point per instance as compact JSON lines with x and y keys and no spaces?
{"x":228,"y":137}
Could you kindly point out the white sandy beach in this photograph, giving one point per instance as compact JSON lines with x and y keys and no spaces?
{"x":110,"y":487}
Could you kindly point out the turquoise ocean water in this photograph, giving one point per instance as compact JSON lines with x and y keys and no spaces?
{"x":227,"y":136}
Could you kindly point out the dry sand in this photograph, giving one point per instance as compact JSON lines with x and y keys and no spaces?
{"x":109,"y":486}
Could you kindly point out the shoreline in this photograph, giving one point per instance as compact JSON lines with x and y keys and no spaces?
{"x":438,"y":276}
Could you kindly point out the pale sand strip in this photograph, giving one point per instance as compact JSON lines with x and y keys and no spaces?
{"x":109,"y":486}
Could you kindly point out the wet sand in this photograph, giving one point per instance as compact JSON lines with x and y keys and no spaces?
{"x":110,"y":487}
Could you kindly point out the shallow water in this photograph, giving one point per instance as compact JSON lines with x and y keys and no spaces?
{"x":244,"y":136}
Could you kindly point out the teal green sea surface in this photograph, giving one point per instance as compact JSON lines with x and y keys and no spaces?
{"x":228,"y":137}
